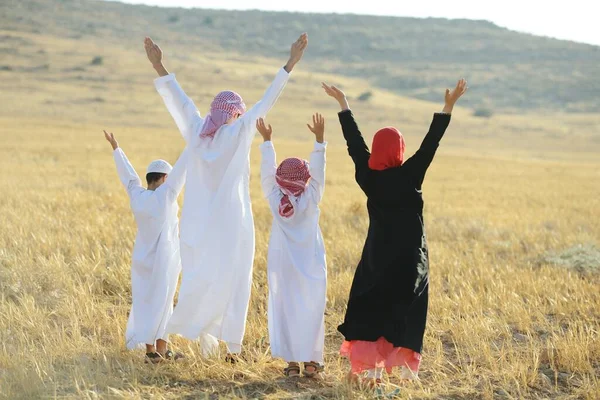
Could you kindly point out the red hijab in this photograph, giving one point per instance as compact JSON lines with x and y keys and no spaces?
{"x":387,"y":150}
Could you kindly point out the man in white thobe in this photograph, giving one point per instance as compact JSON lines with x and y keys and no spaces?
{"x":156,"y":261}
{"x":217,"y":227}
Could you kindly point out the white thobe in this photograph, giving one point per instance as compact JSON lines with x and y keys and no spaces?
{"x":296,"y":264}
{"x":217,"y":227}
{"x":155,"y":261}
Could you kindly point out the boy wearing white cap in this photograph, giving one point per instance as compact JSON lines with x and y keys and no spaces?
{"x":156,"y":262}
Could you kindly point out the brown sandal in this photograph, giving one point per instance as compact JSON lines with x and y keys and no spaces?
{"x":292,"y":370}
{"x":372,"y":383}
{"x":232,"y":358}
{"x":171,"y":356}
{"x":318,"y":368}
{"x":153,"y":358}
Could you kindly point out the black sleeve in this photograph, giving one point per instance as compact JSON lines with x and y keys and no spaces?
{"x":357,"y":148}
{"x":421,"y":160}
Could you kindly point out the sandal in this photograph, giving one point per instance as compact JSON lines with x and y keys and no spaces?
{"x":292,"y":370}
{"x":169,"y":355}
{"x":153,"y":358}
{"x":318,"y":368}
{"x":232,"y":358}
{"x":372,"y":383}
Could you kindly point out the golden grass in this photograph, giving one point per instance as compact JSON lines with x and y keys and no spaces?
{"x":500,"y":194}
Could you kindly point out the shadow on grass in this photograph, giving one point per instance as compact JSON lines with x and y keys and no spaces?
{"x":259,"y":389}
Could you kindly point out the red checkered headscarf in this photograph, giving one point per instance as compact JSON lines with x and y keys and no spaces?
{"x":292,"y":176}
{"x":224,"y":106}
{"x":387,"y":150}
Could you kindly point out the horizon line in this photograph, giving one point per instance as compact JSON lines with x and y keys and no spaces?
{"x":545,"y":36}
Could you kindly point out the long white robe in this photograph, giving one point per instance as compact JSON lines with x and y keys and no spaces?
{"x":155,"y":261}
{"x":296,"y":264}
{"x":217,"y":227}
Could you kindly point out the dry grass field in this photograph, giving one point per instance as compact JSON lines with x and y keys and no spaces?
{"x":507,"y":200}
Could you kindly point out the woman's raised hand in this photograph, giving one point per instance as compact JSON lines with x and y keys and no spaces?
{"x":336,"y":94}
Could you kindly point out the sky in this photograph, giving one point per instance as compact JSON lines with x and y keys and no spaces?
{"x":571,"y":20}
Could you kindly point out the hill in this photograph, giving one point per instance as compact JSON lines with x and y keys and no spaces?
{"x":413,"y":57}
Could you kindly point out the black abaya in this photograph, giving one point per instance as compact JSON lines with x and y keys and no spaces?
{"x":389,"y":294}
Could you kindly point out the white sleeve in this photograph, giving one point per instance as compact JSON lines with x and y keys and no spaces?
{"x":180,"y":106}
{"x":268,"y":168}
{"x":268,"y":100}
{"x":129,"y":178}
{"x":176,"y":179}
{"x":317,"y":171}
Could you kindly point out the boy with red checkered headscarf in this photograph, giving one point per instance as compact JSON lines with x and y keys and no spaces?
{"x":296,"y":265}
{"x":217,"y":226}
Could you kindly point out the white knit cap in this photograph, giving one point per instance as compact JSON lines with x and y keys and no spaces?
{"x":160,"y":166}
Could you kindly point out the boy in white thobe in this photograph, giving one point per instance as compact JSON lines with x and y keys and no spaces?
{"x":217,"y":227}
{"x":296,"y":264}
{"x":156,"y":260}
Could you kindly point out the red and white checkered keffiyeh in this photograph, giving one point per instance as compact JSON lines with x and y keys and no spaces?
{"x":292,"y":177}
{"x":224,"y":106}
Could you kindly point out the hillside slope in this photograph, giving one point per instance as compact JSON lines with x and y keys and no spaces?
{"x":413,"y":57}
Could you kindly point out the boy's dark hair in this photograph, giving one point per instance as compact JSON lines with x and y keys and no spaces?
{"x":152,"y":177}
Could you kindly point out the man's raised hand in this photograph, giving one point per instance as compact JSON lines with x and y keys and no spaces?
{"x":155,"y":55}
{"x":296,"y":52}
{"x":111,"y":139}
{"x":318,"y":127}
{"x":153,"y":52}
{"x":265,"y":130}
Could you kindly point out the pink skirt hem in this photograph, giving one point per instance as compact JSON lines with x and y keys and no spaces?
{"x":365,"y":355}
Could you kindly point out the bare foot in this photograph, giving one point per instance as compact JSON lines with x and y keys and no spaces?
{"x":408,"y":375}
{"x":352,"y":378}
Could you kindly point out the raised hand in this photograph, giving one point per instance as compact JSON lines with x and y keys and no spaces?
{"x":265,"y":130}
{"x":452,"y":96}
{"x":153,"y":52}
{"x":336,"y":94}
{"x":155,"y":55}
{"x":111,"y":139}
{"x":318,"y":127}
{"x":296,"y":52}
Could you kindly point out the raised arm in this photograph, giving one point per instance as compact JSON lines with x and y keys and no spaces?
{"x":127,"y":175}
{"x":155,"y":56}
{"x":270,"y":97}
{"x":180,"y":106}
{"x":175,"y":180}
{"x":317,"y":158}
{"x":268,"y":166}
{"x":420,"y":161}
{"x":357,"y":148}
